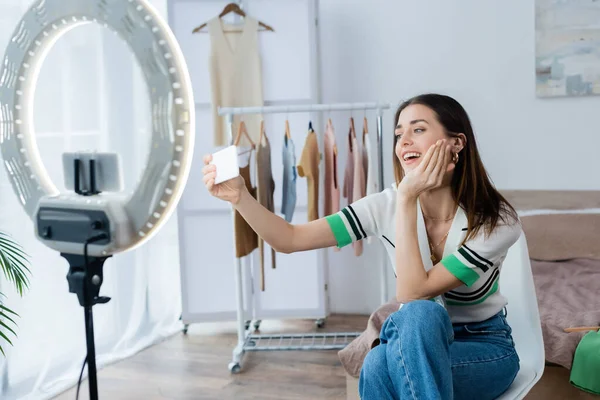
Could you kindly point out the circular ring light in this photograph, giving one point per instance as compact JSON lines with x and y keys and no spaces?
{"x":137,"y":217}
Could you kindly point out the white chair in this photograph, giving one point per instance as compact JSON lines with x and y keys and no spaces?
{"x":516,"y":284}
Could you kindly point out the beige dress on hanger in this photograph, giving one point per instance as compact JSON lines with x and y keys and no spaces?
{"x":235,"y":76}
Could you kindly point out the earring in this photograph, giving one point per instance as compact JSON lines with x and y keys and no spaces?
{"x":455,"y":158}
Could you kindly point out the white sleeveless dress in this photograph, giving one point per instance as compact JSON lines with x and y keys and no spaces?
{"x":235,"y":76}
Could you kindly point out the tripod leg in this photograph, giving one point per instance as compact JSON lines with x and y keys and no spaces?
{"x":91,"y":352}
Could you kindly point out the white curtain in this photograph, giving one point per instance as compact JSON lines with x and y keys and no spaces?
{"x":90,"y":95}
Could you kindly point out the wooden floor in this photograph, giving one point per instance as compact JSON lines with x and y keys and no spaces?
{"x":195,"y":366}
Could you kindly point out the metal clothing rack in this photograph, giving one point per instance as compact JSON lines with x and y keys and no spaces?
{"x":311,"y":341}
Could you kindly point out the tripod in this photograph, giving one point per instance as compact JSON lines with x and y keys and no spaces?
{"x":81,"y":226}
{"x":85,"y":279}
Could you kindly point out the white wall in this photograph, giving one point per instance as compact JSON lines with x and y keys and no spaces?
{"x":483,"y":54}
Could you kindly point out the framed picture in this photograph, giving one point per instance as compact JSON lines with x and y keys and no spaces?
{"x":567,"y":46}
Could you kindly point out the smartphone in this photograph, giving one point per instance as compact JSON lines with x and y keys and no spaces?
{"x":226,"y":161}
{"x":106,"y":168}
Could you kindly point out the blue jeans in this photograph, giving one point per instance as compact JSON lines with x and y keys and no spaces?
{"x":422,"y":355}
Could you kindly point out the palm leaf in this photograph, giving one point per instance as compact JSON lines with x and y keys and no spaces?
{"x":4,"y":315}
{"x":5,"y":338}
{"x":7,"y":327}
{"x":13,"y":263}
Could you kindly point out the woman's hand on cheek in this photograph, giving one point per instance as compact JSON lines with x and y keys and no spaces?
{"x":429,"y":174}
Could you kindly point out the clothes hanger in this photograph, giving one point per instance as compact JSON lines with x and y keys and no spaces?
{"x":287,"y":130}
{"x":351,"y":134}
{"x":352,"y":131}
{"x":243,"y":131}
{"x":365,"y":129}
{"x":233,"y":8}
{"x":262,"y":135}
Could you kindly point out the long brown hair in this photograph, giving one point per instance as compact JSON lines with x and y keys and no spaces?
{"x":471,"y":185}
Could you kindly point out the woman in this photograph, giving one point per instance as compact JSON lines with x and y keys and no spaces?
{"x":447,"y":231}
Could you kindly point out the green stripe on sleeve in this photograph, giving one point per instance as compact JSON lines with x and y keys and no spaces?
{"x":459,"y":270}
{"x":339,"y":230}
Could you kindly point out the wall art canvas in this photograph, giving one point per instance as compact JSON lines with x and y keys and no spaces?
{"x":567,"y":45}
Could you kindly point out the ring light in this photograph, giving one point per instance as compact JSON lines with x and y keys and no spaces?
{"x":87,"y":226}
{"x":135,"y":219}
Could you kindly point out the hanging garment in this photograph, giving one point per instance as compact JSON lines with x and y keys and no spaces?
{"x":370,"y":157}
{"x":309,"y":168}
{"x":354,"y":179}
{"x":364,"y":153}
{"x":288,"y":200}
{"x":332,"y":190}
{"x":265,"y":189}
{"x":372,"y":182}
{"x":246,"y":240}
{"x":235,"y":75}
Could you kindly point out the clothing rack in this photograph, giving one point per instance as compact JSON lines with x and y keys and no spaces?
{"x":312,"y":341}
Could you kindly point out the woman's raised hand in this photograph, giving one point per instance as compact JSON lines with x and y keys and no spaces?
{"x":230,"y":190}
{"x":429,"y":174}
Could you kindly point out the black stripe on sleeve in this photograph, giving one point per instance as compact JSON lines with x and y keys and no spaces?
{"x":357,"y":221}
{"x":352,"y":224}
{"x":479,"y":293}
{"x":470,"y":259}
{"x":485,"y":260}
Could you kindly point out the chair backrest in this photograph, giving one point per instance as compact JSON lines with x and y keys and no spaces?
{"x":516,"y":284}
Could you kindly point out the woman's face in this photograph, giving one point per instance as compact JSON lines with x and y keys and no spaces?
{"x":417,"y":129}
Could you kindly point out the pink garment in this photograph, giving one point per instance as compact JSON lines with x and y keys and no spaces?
{"x":332,"y":189}
{"x":354,"y":177}
{"x":365,"y":154}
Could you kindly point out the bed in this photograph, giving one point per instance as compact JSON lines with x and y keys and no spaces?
{"x":563,"y":236}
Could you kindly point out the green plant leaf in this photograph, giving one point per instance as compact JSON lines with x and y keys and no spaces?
{"x":7,"y":327}
{"x":5,"y":315}
{"x":13,"y":246}
{"x":14,"y":264}
{"x":5,"y":338}
{"x":8,"y":309}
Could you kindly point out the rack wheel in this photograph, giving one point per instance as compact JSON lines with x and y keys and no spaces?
{"x":320,"y":323}
{"x":234,"y":368}
{"x":257,"y":325}
{"x":248,"y":324}
{"x":185,"y":328}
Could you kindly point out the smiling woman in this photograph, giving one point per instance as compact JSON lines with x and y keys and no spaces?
{"x":447,"y":231}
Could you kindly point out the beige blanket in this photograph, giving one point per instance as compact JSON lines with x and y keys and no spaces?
{"x":568,"y":295}
{"x":353,"y":355}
